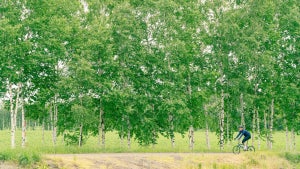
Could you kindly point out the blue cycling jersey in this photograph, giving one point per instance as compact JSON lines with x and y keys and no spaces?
{"x":243,"y":133}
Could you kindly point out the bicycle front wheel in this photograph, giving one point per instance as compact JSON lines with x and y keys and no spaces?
{"x":251,"y":148}
{"x":236,"y":149}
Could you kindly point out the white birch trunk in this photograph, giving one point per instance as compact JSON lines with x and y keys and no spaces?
{"x":191,"y":137}
{"x":55,"y":113}
{"x":13,"y":131}
{"x":253,"y":127}
{"x":191,"y":129}
{"x":102,"y":127}
{"x":293,"y":140}
{"x":128,"y":134}
{"x":258,"y":129}
{"x":271,"y":124}
{"x":206,"y":129}
{"x":286,"y":136}
{"x":266,"y":128}
{"x":17,"y":105}
{"x":3,"y":122}
{"x":222,"y":121}
{"x":172,"y":130}
{"x":23,"y":125}
{"x":242,"y":110}
{"x":80,"y":135}
{"x":122,"y":133}
{"x":227,"y":129}
{"x":43,"y":132}
{"x":207,"y":136}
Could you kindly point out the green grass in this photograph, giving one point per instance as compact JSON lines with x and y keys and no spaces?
{"x":35,"y":146}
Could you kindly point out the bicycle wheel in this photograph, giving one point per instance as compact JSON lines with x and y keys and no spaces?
{"x":236,"y":149}
{"x":251,"y":148}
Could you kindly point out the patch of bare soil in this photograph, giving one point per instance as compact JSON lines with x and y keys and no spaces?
{"x":4,"y":165}
{"x":166,"y":161}
{"x":139,"y":160}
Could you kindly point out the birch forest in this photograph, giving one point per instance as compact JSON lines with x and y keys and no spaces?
{"x":150,"y":69}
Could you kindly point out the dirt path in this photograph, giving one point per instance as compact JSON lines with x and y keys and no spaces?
{"x":247,"y":160}
{"x":142,"y":160}
{"x":8,"y":166}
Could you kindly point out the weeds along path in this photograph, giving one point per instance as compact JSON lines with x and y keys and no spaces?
{"x":164,"y":160}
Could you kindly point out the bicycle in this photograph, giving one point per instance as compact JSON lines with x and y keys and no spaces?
{"x":237,"y":149}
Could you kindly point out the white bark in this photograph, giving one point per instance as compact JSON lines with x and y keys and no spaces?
{"x":286,"y":136}
{"x":253,"y":126}
{"x":191,"y":137}
{"x":122,"y":133}
{"x":55,"y":113}
{"x":172,"y":130}
{"x":191,"y":129}
{"x":227,"y":129}
{"x":271,"y":124}
{"x":258,"y":129}
{"x":80,"y":135}
{"x":207,"y":136}
{"x":43,"y":132}
{"x":102,"y":126}
{"x":206,"y":129}
{"x":266,"y":128}
{"x":222,"y":116}
{"x":293,"y":140}
{"x":242,"y":110}
{"x":13,"y":130}
{"x":23,"y":125}
{"x":128,"y":134}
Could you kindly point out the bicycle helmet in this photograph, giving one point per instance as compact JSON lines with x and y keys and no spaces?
{"x":241,"y":126}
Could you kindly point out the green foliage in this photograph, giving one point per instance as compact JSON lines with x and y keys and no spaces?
{"x":293,"y":157}
{"x":152,"y":67}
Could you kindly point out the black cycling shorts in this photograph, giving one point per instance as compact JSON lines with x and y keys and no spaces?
{"x":245,"y":139}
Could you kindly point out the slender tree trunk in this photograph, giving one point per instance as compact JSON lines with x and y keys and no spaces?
{"x":191,"y":137}
{"x":103,"y":129}
{"x":172,"y":130}
{"x":222,"y":115}
{"x":227,"y":128}
{"x":17,"y":105}
{"x":128,"y":134}
{"x":242,"y":110}
{"x":80,"y":135}
{"x":271,"y":124}
{"x":206,"y":129}
{"x":207,"y":136}
{"x":266,"y":128}
{"x":101,"y":126}
{"x":13,"y":131}
{"x":3,"y":121}
{"x":23,"y":124}
{"x":253,"y":127}
{"x":286,"y":136}
{"x":55,"y":113}
{"x":43,"y":131}
{"x":122,"y":132}
{"x":293,"y":140}
{"x":258,"y":129}
{"x":51,"y":110}
{"x":191,"y":129}
{"x":153,"y":131}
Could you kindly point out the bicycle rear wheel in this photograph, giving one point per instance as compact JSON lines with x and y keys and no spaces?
{"x":251,"y":148}
{"x":236,"y":149}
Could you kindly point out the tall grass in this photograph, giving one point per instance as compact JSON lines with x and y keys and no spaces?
{"x":35,"y":146}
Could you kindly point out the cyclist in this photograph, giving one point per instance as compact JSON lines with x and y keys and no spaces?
{"x":245,"y":133}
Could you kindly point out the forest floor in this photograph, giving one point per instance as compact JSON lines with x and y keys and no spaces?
{"x":165,"y":161}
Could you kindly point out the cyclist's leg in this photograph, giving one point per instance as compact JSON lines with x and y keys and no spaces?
{"x":244,"y":140}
